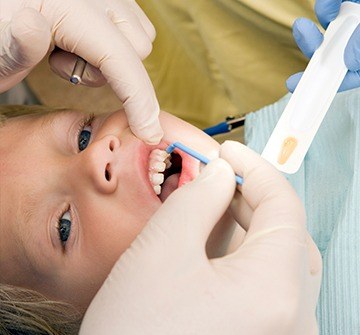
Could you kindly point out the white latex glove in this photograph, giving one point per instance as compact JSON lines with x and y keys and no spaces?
{"x":111,"y":35}
{"x":165,"y":284}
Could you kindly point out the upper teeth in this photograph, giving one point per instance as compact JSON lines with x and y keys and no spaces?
{"x":159,"y":160}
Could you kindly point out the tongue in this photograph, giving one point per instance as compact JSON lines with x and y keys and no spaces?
{"x":170,"y":185}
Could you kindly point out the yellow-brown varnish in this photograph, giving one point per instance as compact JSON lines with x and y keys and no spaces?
{"x":287,"y":149}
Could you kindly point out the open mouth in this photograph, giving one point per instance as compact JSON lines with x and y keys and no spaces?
{"x":167,"y":172}
{"x":171,"y":177}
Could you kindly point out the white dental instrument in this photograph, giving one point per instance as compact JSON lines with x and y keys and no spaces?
{"x":301,"y":119}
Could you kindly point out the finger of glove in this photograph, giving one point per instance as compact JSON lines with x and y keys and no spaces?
{"x":276,"y":242}
{"x":267,"y":192}
{"x":293,"y":81}
{"x":327,"y":10}
{"x":126,"y":20}
{"x":62,"y":63}
{"x":276,"y":237}
{"x":24,"y":42}
{"x":351,"y":80}
{"x":241,"y":211}
{"x":117,"y":61}
{"x":352,"y":51}
{"x":189,"y":214}
{"x":145,"y":22}
{"x":307,"y":36}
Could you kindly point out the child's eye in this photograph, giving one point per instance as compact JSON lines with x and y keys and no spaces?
{"x":64,"y":227}
{"x":84,"y":132}
{"x":84,"y":138}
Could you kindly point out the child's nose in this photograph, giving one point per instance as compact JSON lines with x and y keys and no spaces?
{"x":98,"y":161}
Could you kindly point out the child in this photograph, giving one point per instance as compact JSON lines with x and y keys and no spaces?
{"x":77,"y":189}
{"x":327,"y":182}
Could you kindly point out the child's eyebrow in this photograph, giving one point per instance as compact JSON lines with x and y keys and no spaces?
{"x":29,"y":222}
{"x":51,"y":116}
{"x":61,"y":126}
{"x":32,"y":202}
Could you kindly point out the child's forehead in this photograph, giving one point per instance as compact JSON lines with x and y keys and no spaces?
{"x":47,"y":119}
{"x":38,"y":121}
{"x":18,"y":130}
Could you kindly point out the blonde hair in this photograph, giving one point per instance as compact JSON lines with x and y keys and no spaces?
{"x":24,"y":311}
{"x":11,"y":111}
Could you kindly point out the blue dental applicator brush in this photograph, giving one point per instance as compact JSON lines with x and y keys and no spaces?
{"x":193,"y":153}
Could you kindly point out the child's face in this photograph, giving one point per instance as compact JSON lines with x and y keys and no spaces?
{"x":102,"y":197}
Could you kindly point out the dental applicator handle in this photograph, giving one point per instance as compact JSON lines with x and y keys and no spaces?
{"x":301,"y":119}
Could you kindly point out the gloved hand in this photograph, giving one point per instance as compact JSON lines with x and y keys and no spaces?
{"x":165,"y":284}
{"x":111,"y":35}
{"x":308,"y":38}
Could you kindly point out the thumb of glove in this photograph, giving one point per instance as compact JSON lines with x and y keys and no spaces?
{"x":24,"y":41}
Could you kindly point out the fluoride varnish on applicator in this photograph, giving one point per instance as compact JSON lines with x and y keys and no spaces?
{"x":308,"y":105}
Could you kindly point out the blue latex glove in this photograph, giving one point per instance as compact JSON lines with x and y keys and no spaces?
{"x":308,"y":38}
